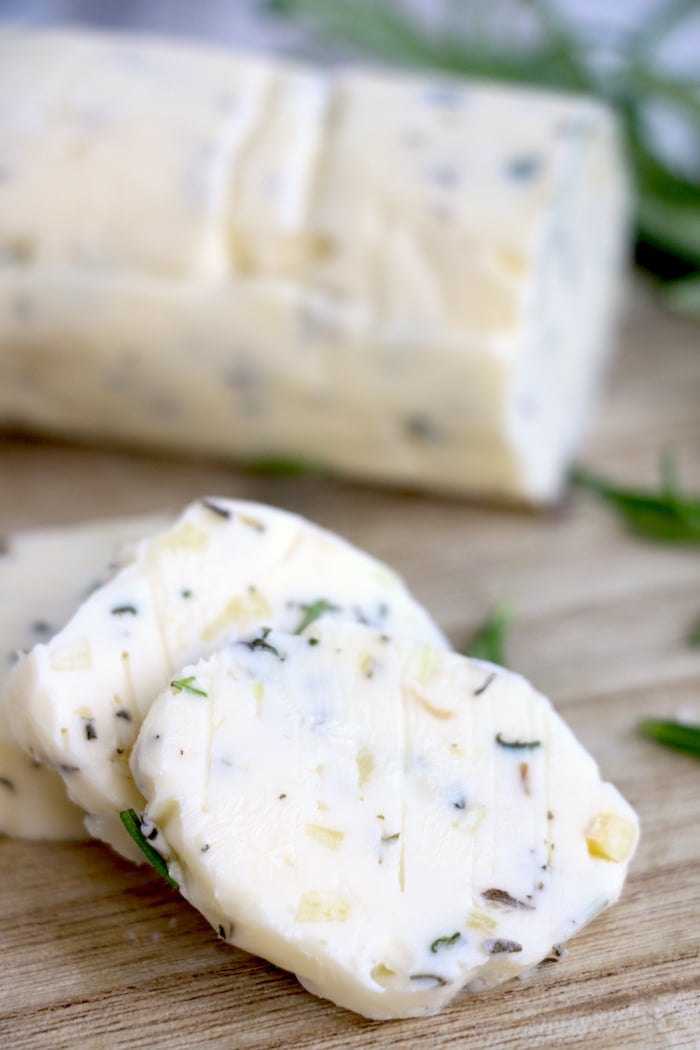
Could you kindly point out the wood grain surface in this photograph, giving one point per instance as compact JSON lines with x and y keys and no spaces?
{"x":99,"y":954}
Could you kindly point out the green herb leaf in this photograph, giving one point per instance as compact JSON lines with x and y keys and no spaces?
{"x":489,"y":642}
{"x":132,"y":822}
{"x":281,"y":467}
{"x":665,"y":517}
{"x":185,"y":685}
{"x":314,"y":612}
{"x":444,"y":942}
{"x":673,"y":734}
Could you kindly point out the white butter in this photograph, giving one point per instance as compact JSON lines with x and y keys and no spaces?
{"x":224,"y":568}
{"x":390,"y":822}
{"x":395,"y":277}
{"x":44,"y":576}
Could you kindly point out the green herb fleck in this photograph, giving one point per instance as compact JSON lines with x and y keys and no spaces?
{"x":489,"y":642}
{"x":131,"y":821}
{"x":313,"y":612}
{"x":391,"y":838}
{"x":518,"y":745}
{"x":665,"y":517}
{"x":678,"y":735}
{"x":124,"y":610}
{"x":7,"y":783}
{"x":185,"y":685}
{"x":262,"y":643}
{"x":445,"y":942}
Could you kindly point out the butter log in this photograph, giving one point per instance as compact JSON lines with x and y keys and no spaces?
{"x":398,"y":278}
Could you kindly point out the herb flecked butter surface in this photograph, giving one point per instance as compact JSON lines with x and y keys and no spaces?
{"x":44,"y":576}
{"x":391,"y":822}
{"x":225,"y":567}
{"x":395,"y":277}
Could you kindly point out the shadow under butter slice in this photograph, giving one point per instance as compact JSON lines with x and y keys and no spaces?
{"x":224,"y":568}
{"x":390,"y":822}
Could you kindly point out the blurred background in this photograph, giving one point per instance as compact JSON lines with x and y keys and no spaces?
{"x":643,"y":56}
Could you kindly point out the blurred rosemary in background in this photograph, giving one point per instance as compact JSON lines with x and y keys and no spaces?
{"x":532,"y":42}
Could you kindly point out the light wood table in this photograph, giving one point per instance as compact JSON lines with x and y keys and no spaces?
{"x":96,"y":953}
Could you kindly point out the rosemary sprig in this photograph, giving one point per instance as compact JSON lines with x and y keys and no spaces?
{"x":132,"y":822}
{"x":489,"y":642}
{"x":667,"y":516}
{"x":677,"y":735}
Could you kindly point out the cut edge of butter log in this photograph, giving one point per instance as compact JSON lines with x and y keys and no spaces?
{"x":400,"y":278}
{"x":44,"y":576}
{"x":225,"y":567}
{"x":391,"y":822}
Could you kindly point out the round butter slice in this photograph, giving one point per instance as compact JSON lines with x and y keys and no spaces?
{"x":390,"y":822}
{"x":44,"y":576}
{"x":225,"y":567}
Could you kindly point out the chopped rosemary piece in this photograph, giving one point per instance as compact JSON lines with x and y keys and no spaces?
{"x":518,"y":745}
{"x":499,"y":946}
{"x":124,"y":610}
{"x":313,"y":612}
{"x":497,"y":896}
{"x":215,"y":508}
{"x":678,"y":735}
{"x":489,"y":642}
{"x":444,"y":942}
{"x":440,"y":982}
{"x":132,"y":822}
{"x":185,"y":685}
{"x":666,"y":516}
{"x":262,"y":643}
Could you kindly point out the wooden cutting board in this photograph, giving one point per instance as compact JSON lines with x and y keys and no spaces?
{"x":99,"y":954}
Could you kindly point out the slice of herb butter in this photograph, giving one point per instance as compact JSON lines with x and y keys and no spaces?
{"x":390,"y":822}
{"x":44,"y":575}
{"x":401,"y":277}
{"x":224,"y":568}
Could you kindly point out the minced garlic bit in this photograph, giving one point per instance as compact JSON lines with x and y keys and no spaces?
{"x":320,"y":906}
{"x":611,"y":837}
